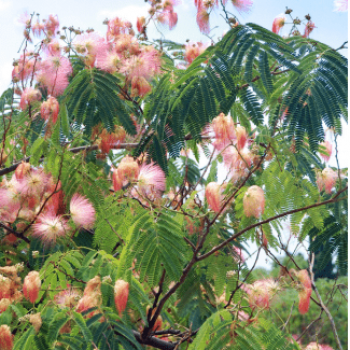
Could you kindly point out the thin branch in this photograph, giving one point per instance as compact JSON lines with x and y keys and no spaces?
{"x":154,"y":342}
{"x":288,"y":319}
{"x":245,"y":278}
{"x":17,"y":234}
{"x":308,"y":327}
{"x":324,"y":307}
{"x":238,"y":234}
{"x":81,"y":149}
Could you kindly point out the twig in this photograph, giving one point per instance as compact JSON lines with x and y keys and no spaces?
{"x":290,"y":315}
{"x":324,"y":307}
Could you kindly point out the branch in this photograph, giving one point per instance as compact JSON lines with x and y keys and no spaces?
{"x":154,"y":342}
{"x":17,"y":234}
{"x":238,"y":234}
{"x":324,"y":307}
{"x":83,"y":148}
{"x":245,"y":278}
{"x":258,"y":77}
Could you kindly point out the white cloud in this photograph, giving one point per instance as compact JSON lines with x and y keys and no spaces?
{"x":4,"y":5}
{"x":129,"y":13}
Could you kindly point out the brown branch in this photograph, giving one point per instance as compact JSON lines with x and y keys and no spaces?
{"x":241,"y":185}
{"x":238,"y":234}
{"x":67,"y":274}
{"x":154,"y":342}
{"x":324,"y":307}
{"x":258,"y":77}
{"x":81,"y":149}
{"x":17,"y":234}
{"x":245,"y":278}
{"x":307,"y":328}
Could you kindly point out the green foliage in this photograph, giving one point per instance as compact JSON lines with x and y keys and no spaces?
{"x":92,"y":98}
{"x":335,"y":296}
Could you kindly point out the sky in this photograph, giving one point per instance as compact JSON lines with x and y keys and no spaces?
{"x":331,"y":28}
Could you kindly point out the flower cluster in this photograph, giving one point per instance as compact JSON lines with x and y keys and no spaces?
{"x":121,"y":52}
{"x":11,"y":288}
{"x":35,"y":201}
{"x":326,"y":179}
{"x":304,"y":288}
{"x":147,"y":181}
{"x":163,"y":12}
{"x":261,"y":292}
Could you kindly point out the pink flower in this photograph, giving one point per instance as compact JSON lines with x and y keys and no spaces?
{"x":224,"y":130}
{"x":140,"y":87}
{"x":203,"y":20}
{"x":214,"y":195}
{"x":90,"y":45}
{"x":193,"y":50}
{"x":242,"y":137}
{"x":107,"y":59}
{"x":127,"y":45}
{"x":261,"y":292}
{"x":121,"y":293}
{"x":239,"y":253}
{"x":328,"y":147}
{"x":51,"y":25}
{"x":93,"y":286}
{"x":254,"y":202}
{"x":326,"y":180}
{"x":304,"y":300}
{"x":108,"y":140}
{"x":38,"y":28}
{"x":54,"y":72}
{"x":128,"y":170}
{"x":117,"y":181}
{"x":68,"y":297}
{"x":316,"y":346}
{"x":29,"y":95}
{"x":151,"y":181}
{"x":31,"y":286}
{"x":49,"y":228}
{"x":278,"y":23}
{"x":6,"y":338}
{"x":145,"y":65}
{"x":116,"y":27}
{"x":49,"y":109}
{"x":341,"y":5}
{"x":140,"y":24}
{"x":4,"y":304}
{"x":92,"y":296}
{"x":86,"y":303}
{"x":237,"y":163}
{"x":23,"y":70}
{"x":22,"y":170}
{"x":309,"y":27}
{"x":168,"y":17}
{"x":33,"y":183}
{"x":82,"y":212}
{"x":53,"y":48}
{"x":305,"y":290}
{"x":242,"y":5}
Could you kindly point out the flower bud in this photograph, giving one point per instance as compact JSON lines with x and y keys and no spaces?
{"x":121,"y":293}
{"x":36,"y":321}
{"x":6,"y":338}
{"x":31,"y":286}
{"x":254,"y":202}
